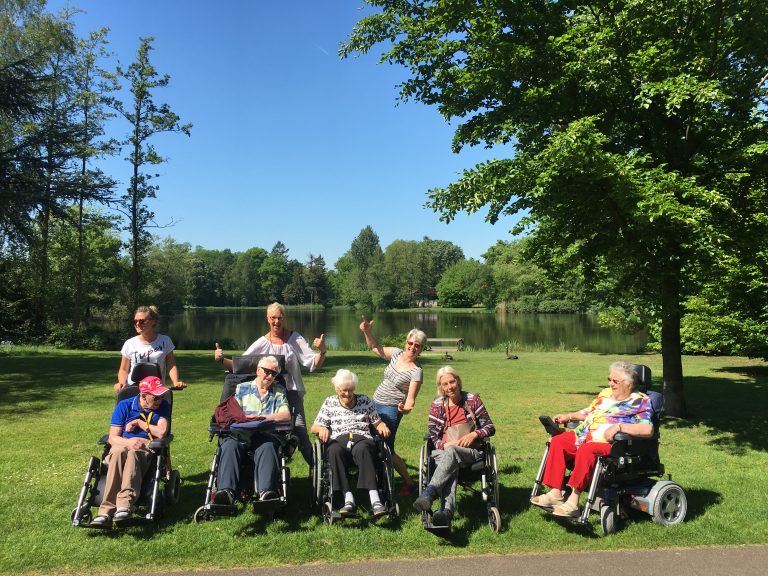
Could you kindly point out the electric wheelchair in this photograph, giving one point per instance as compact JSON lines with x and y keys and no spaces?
{"x":161,"y":484}
{"x":244,"y":370}
{"x":322,"y":481}
{"x":624,"y":479}
{"x":482,"y":470}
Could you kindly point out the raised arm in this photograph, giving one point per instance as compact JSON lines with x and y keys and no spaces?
{"x":385,"y":353}
{"x":218,"y":356}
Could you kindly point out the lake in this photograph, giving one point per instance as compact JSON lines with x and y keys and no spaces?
{"x":236,"y":328}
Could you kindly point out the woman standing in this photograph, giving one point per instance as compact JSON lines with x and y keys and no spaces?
{"x":396,"y":395}
{"x":297,"y":352}
{"x":147,"y":346}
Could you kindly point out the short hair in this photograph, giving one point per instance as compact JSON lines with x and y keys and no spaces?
{"x":271,"y":360}
{"x":417,"y":335}
{"x":276,"y":306}
{"x":442,"y":372}
{"x":150,"y":311}
{"x":629,"y":370}
{"x":344,"y":378}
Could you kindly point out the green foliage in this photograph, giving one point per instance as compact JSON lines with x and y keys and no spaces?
{"x":465,"y":284}
{"x":639,"y":130}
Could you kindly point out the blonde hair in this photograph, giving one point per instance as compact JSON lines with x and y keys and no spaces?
{"x":276,"y":306}
{"x":442,"y":372}
{"x":344,"y":378}
{"x":151,"y":312}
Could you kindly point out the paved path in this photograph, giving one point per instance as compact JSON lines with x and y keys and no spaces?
{"x":718,"y":561}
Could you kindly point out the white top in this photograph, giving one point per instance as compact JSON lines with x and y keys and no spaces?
{"x":297,"y":353}
{"x":137,"y":351}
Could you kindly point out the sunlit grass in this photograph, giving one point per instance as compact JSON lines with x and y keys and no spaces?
{"x":55,"y":405}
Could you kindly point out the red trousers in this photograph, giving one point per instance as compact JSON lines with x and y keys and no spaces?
{"x":563,"y":454}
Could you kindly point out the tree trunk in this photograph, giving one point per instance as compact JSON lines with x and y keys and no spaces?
{"x":671,"y":354}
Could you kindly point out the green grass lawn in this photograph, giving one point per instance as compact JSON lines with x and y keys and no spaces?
{"x":55,"y":405}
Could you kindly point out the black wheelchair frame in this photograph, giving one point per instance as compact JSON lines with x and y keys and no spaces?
{"x":161,"y":484}
{"x":623,"y":480}
{"x":244,"y":369}
{"x":322,"y":481}
{"x":483,"y":470}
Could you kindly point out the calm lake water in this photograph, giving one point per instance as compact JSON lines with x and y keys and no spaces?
{"x":236,"y":329}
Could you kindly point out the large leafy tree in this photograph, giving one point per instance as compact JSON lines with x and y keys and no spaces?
{"x":638,"y":127}
{"x":146,"y":119}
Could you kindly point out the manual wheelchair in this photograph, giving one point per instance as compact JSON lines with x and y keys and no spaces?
{"x":161,"y":484}
{"x":624,"y":479}
{"x":322,"y":481}
{"x":483,"y":470}
{"x":243,"y":370}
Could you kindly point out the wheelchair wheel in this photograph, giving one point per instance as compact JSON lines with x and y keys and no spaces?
{"x":173,"y":487}
{"x":670,"y":505}
{"x":85,"y":515}
{"x":494,"y":518}
{"x":609,"y":520}
{"x":201,"y":515}
{"x":495,"y":475}
{"x":423,"y":463}
{"x":327,"y":513}
{"x":317,"y":472}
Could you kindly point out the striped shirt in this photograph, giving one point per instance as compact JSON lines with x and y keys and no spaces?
{"x":394,"y":388}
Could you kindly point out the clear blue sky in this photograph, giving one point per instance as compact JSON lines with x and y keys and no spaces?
{"x":289,"y":142}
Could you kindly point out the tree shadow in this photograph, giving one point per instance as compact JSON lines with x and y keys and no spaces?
{"x":719,"y":404}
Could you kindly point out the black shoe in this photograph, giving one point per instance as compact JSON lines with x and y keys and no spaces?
{"x":268,"y":495}
{"x":442,"y":517}
{"x":424,"y":502}
{"x":224,"y":497}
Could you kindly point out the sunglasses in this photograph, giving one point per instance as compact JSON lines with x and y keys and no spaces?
{"x":140,"y":321}
{"x":268,"y":372}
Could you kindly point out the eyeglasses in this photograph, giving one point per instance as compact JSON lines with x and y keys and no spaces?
{"x":268,"y":372}
{"x":140,"y":321}
{"x":614,"y":381}
{"x":413,"y":344}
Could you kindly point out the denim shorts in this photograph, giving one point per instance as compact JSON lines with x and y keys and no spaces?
{"x":391,"y":416}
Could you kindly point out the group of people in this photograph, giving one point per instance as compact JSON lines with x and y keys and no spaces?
{"x":346,"y":422}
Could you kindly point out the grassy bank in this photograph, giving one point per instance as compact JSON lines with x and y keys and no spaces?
{"x":56,"y":404}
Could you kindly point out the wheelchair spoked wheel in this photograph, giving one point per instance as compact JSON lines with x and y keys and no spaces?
{"x":491,"y":465}
{"x":609,"y":519}
{"x":670,"y":505}
{"x":494,"y":518}
{"x":201,"y":515}
{"x":327,"y":512}
{"x":423,"y":463}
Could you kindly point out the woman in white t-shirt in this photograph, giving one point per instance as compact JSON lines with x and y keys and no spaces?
{"x":148,"y":346}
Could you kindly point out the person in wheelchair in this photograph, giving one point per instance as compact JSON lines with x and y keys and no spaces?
{"x":135,"y":423}
{"x":344,"y":424}
{"x":260,"y":399}
{"x":617,"y":408}
{"x":458,"y":420}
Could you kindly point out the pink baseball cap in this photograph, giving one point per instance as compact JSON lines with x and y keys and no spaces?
{"x":152,"y":385}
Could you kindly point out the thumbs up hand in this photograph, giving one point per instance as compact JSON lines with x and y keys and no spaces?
{"x":319,"y":343}
{"x":365,"y":325}
{"x":218,"y":354}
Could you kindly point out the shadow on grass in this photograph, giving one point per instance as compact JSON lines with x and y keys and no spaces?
{"x":734,"y":411}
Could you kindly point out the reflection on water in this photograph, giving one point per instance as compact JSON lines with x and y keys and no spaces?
{"x":237,"y":328}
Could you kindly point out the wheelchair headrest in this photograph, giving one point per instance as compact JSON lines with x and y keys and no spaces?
{"x":143,"y":369}
{"x":246,"y":364}
{"x":644,"y":378}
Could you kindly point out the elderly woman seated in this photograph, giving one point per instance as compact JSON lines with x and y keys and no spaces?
{"x":457,"y":421}
{"x":617,"y":408}
{"x":344,"y":424}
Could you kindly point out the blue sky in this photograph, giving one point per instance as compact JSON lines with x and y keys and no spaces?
{"x":289,"y":142}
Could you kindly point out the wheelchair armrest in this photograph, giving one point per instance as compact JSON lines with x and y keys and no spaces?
{"x":104,"y":440}
{"x":627,"y":445}
{"x":161,"y":443}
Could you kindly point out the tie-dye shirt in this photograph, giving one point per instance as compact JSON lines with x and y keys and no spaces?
{"x":604,"y":412}
{"x":274,"y":401}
